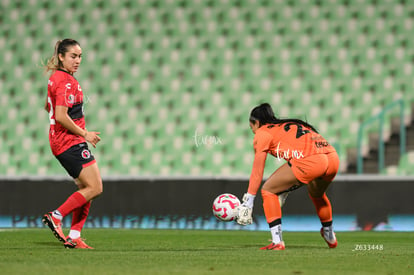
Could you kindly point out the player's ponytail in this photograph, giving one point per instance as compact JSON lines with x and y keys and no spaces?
{"x":53,"y":62}
{"x":265,"y":115}
{"x":61,"y":47}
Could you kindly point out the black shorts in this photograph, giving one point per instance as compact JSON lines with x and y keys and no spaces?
{"x":76,"y":158}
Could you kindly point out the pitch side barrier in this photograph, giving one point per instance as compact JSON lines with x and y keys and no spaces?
{"x":360,"y":202}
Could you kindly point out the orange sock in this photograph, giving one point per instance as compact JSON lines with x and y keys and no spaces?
{"x":323,"y":208}
{"x":271,"y":206}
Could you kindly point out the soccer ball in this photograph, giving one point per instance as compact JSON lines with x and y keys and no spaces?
{"x":224,"y":207}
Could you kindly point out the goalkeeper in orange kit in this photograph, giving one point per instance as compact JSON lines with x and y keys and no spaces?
{"x":311,"y":161}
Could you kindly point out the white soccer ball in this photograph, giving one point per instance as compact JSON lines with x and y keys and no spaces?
{"x":224,"y":207}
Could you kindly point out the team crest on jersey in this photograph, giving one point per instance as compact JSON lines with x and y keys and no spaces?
{"x":71,"y":99}
{"x":86,"y":154}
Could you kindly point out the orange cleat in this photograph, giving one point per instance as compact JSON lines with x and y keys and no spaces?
{"x":55,"y":225}
{"x":274,"y":246}
{"x":76,"y":243}
{"x":332,"y":242}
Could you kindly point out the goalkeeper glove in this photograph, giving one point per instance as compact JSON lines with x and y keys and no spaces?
{"x":245,"y":210}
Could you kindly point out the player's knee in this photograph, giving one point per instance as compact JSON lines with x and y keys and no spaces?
{"x":98,"y":190}
{"x":265,"y":188}
{"x":317,"y":188}
{"x":315,"y":192}
{"x":94,"y":189}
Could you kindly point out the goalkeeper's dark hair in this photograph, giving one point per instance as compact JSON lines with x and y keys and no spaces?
{"x":265,"y":115}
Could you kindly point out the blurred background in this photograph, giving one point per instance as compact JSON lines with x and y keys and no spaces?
{"x":170,"y":84}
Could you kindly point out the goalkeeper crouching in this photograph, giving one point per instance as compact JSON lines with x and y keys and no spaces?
{"x":310,"y":160}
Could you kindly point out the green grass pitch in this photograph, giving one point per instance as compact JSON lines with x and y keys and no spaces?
{"x":134,"y":251}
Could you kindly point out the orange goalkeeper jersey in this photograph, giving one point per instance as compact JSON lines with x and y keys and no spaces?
{"x":284,"y":141}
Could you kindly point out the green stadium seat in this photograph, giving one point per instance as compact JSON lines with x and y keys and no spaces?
{"x":154,"y":72}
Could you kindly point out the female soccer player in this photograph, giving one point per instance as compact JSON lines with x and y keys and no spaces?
{"x":311,"y":161}
{"x":67,"y":137}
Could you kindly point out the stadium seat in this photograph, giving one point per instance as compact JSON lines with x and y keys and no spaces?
{"x":155,"y":72}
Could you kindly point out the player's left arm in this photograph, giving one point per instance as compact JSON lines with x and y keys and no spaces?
{"x":64,"y":119}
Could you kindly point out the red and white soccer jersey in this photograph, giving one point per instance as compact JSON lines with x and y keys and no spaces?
{"x":64,"y":90}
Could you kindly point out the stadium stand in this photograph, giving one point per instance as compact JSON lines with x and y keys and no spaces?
{"x":170,"y":83}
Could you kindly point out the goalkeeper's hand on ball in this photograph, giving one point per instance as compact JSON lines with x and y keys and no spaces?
{"x":244,"y":215}
{"x":245,"y":210}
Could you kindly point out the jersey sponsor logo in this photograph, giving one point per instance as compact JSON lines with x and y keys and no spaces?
{"x":79,"y":88}
{"x":321,"y":144}
{"x":86,"y":154}
{"x":68,"y":86}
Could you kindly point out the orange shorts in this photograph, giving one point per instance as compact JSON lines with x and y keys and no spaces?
{"x":324,"y":166}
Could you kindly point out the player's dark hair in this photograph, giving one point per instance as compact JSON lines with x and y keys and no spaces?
{"x":61,"y":47}
{"x":265,"y":115}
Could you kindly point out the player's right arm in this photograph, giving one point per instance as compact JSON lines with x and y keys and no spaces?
{"x":256,"y":175}
{"x":62,"y":117}
{"x":261,"y":144}
{"x":245,"y":210}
